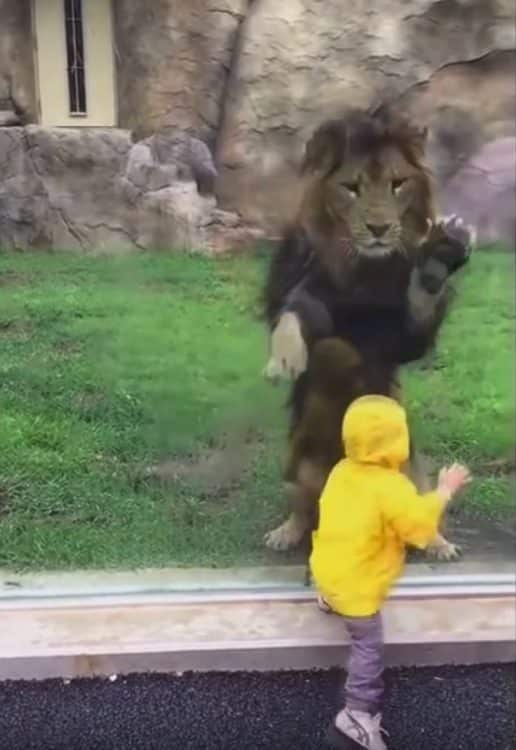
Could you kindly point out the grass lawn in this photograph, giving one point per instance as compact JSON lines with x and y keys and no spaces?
{"x":111,"y":366}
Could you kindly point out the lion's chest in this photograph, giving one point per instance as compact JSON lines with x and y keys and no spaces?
{"x":371,"y":304}
{"x":376,"y":290}
{"x":375,"y":295}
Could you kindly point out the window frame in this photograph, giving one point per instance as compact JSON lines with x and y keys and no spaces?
{"x":73,"y":17}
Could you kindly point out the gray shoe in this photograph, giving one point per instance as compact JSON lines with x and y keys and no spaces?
{"x":323,"y":605}
{"x":357,"y":729}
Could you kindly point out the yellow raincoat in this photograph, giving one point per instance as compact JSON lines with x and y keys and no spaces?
{"x":369,"y":511}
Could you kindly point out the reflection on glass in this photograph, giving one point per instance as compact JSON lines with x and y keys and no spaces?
{"x":137,"y":429}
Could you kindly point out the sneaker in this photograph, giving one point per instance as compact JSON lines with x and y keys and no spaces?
{"x":323,"y":605}
{"x":361,"y":728}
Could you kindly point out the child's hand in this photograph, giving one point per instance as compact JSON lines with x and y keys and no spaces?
{"x":453,"y":479}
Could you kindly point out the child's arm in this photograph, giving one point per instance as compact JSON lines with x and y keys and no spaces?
{"x":415,"y":517}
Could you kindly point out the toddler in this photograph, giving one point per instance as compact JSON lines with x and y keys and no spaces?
{"x":369,"y":511}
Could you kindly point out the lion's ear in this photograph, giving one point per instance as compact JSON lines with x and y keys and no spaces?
{"x":326,"y":148}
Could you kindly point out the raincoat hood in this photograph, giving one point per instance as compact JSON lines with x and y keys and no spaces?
{"x":375,"y":431}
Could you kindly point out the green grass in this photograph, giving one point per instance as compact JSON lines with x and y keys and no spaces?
{"x":464,"y":406}
{"x":108,"y":366}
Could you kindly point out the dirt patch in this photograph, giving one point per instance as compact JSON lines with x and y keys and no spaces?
{"x":164,"y":286}
{"x":88,"y":404}
{"x":13,"y":278}
{"x":503,"y":466}
{"x":67,"y":347}
{"x":216,"y":471}
{"x":498,"y":467}
{"x":14,"y":328}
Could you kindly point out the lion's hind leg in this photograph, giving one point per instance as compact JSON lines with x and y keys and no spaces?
{"x":333,"y":380}
{"x":303,"y":493}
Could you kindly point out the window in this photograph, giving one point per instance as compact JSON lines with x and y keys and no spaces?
{"x":75,"y":57}
{"x":75,"y":73}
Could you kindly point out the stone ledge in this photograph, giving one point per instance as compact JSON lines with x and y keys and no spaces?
{"x":243,"y":631}
{"x":81,"y":583}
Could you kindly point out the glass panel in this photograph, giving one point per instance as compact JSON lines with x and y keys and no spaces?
{"x":142,"y":423}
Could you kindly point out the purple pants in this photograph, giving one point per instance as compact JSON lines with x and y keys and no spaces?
{"x":364,"y":684}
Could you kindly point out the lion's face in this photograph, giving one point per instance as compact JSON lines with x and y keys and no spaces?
{"x":371,"y":192}
{"x":370,"y":198}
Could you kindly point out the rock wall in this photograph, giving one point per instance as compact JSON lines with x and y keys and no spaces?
{"x":97,"y":191}
{"x":173,"y":59}
{"x":246,"y":81}
{"x":304,"y":60}
{"x":482,"y":191}
{"x":17,"y":82}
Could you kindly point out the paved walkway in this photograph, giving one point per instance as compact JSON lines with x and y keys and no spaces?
{"x":445,"y":709}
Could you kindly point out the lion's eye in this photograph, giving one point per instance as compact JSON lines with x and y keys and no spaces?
{"x":396,"y":185}
{"x":351,"y":187}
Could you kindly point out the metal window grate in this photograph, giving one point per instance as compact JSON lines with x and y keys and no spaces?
{"x":75,"y":56}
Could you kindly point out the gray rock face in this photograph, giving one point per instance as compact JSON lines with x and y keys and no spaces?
{"x":252,"y":79}
{"x":303,"y":61}
{"x":17,"y":75}
{"x":97,"y":191}
{"x":173,"y":60}
{"x":483,"y":192}
{"x":170,"y":147}
{"x":8,"y":118}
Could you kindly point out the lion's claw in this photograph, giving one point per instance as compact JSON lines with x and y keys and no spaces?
{"x":286,"y":536}
{"x":444,"y":551}
{"x":455,"y":228}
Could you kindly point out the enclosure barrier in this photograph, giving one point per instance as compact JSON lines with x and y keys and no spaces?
{"x":102,"y":625}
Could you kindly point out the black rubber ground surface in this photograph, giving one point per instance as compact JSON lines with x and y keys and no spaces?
{"x":444,"y":709}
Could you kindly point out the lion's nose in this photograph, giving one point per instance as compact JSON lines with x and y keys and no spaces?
{"x":378,"y":230}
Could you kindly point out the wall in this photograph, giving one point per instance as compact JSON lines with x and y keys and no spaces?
{"x":52,"y":64}
{"x":304,"y":60}
{"x":252,"y":78}
{"x":17,"y":57}
{"x":173,"y":59}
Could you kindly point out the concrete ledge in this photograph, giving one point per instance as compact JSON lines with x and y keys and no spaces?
{"x":293,"y":658}
{"x":428,"y":621}
{"x":85,"y":583}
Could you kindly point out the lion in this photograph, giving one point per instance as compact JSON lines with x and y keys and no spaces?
{"x":357,"y":288}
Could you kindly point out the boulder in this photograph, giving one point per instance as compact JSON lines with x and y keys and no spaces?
{"x":95,"y":190}
{"x":170,"y":147}
{"x":8,"y":117}
{"x":465,"y":105}
{"x":483,"y":192}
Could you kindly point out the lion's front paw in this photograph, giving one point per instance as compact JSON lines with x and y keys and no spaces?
{"x":289,"y":354}
{"x":288,"y":535}
{"x":443,"y":550}
{"x":446,"y":248}
{"x":454,"y":228}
